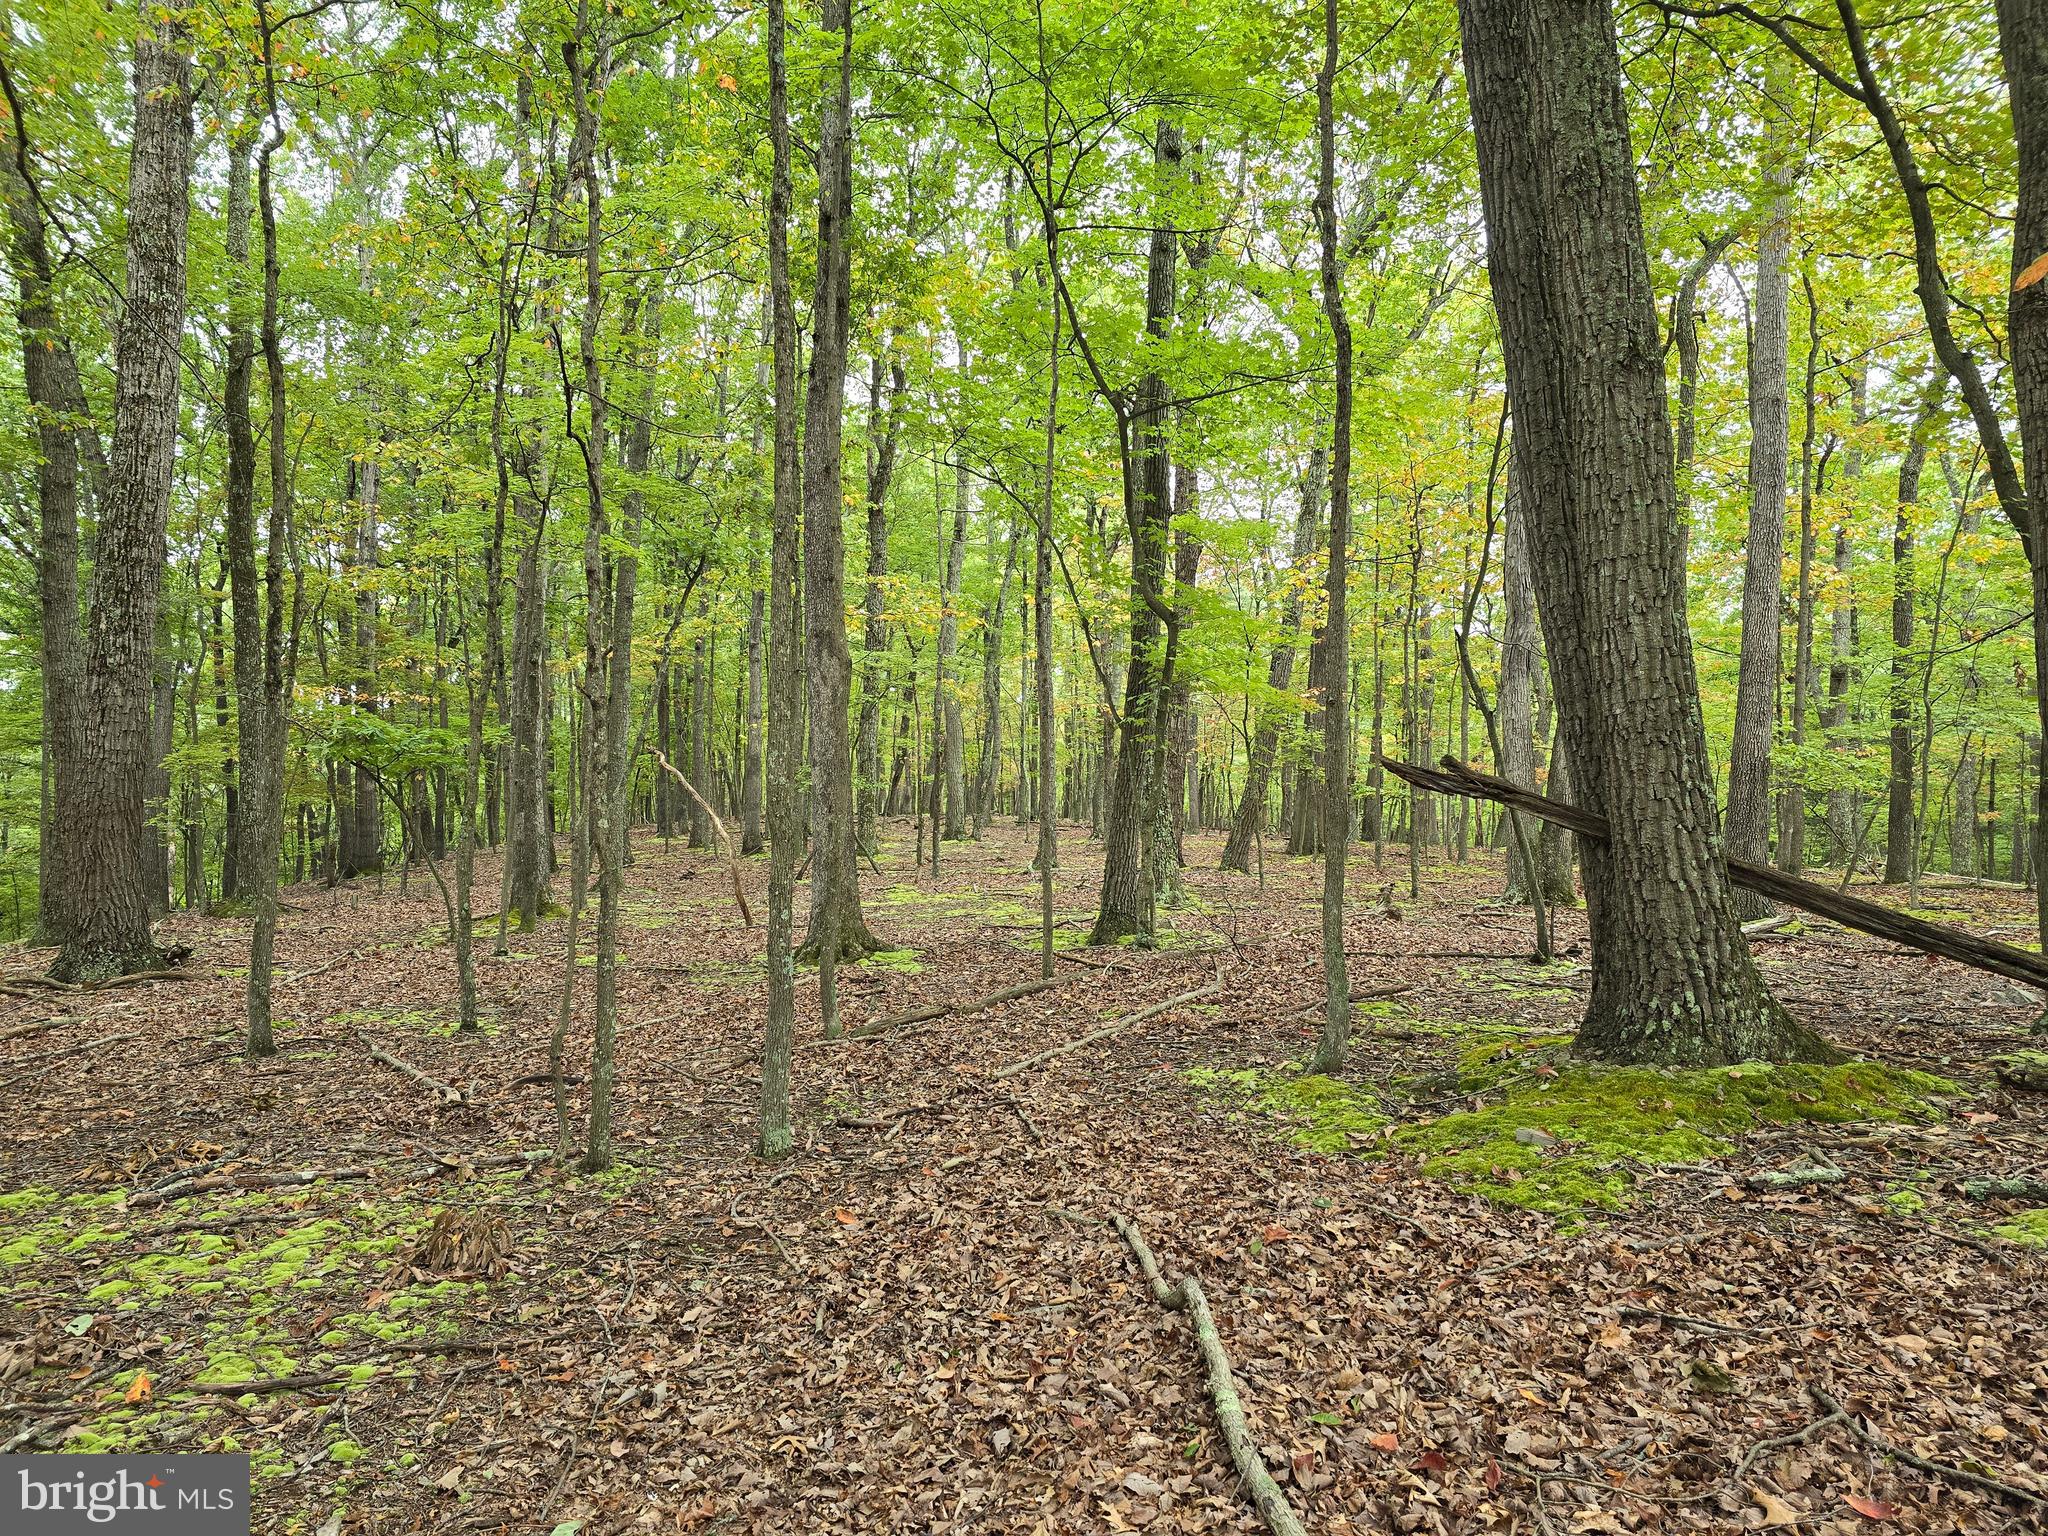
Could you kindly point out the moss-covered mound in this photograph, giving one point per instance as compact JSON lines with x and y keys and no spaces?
{"x":1547,"y":1133}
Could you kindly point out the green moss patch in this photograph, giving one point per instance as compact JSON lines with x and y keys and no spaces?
{"x":1565,"y":1137}
{"x":2029,"y":1229}
{"x":234,"y":1297}
{"x":1321,"y":1113}
{"x":902,"y":961}
{"x":1547,"y":1133}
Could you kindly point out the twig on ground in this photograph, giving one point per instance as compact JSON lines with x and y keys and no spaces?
{"x":1941,"y":1469}
{"x":1105,"y":1032}
{"x":1187,"y":1297}
{"x":447,"y":1093}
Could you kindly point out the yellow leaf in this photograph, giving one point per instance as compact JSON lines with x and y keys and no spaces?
{"x":138,"y":1390}
{"x":727,"y":83}
{"x":2036,"y":270}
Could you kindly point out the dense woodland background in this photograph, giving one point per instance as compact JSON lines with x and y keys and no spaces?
{"x":397,"y":449}
{"x":1057,"y":546}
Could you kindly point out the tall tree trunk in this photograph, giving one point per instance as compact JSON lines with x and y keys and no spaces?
{"x":751,"y":841}
{"x":1673,"y":980}
{"x":1516,"y":704}
{"x":584,"y":57}
{"x":1277,"y":710}
{"x":106,"y":887}
{"x":1335,"y":1039}
{"x":885,"y":418}
{"x":2023,"y":40}
{"x":1842,"y":635}
{"x":949,"y":643}
{"x":1763,"y":577}
{"x":1900,"y":829}
{"x":785,"y":624}
{"x":1126,"y":905}
{"x":1792,"y":794}
{"x":988,"y":767}
{"x":65,"y":439}
{"x":835,"y":875}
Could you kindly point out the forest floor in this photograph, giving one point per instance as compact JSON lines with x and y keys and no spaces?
{"x":1442,"y":1316}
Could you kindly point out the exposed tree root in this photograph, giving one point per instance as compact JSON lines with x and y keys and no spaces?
{"x":1105,"y":1032}
{"x":1187,"y":1297}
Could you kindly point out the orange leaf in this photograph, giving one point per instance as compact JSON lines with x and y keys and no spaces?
{"x":727,"y":83}
{"x":1389,"y":1443}
{"x":138,"y":1390}
{"x":1877,"y":1509}
{"x":1276,"y":1235}
{"x":845,"y":1217}
{"x":2036,"y":270}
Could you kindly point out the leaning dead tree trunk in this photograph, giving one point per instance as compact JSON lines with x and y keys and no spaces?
{"x":1455,"y":778}
{"x":1187,"y":1297}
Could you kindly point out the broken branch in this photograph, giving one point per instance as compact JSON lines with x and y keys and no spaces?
{"x":732,"y":857}
{"x":1456,"y":778}
{"x":1105,"y":1032}
{"x":1187,"y":1297}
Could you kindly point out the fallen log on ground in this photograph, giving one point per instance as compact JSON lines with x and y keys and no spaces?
{"x":447,"y":1093}
{"x":1456,"y":778}
{"x":1187,"y":1297}
{"x":1105,"y":1032}
{"x":926,"y":1011}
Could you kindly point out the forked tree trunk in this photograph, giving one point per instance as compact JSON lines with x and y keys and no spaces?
{"x":1673,"y":980}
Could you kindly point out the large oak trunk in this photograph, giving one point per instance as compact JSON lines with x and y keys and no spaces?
{"x":1672,"y":976}
{"x":106,"y":877}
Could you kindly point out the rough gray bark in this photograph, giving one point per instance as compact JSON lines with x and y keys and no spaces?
{"x":785,"y":623}
{"x":267,"y":693}
{"x":835,"y":875}
{"x":1276,"y":712}
{"x":107,"y":887}
{"x":1673,"y":980}
{"x":2023,"y":40}
{"x":1901,"y":828}
{"x":1126,"y":906}
{"x":885,"y":420}
{"x":955,"y":753}
{"x":1748,"y":826}
{"x":65,"y":441}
